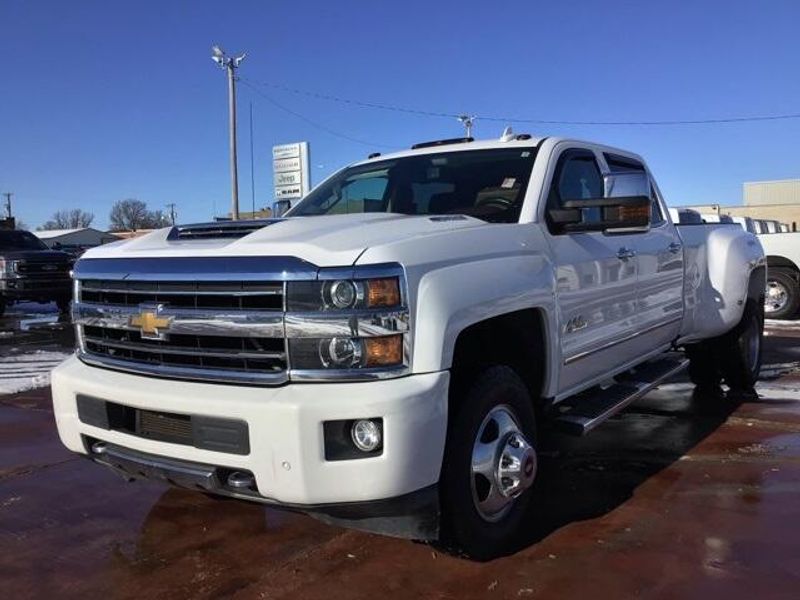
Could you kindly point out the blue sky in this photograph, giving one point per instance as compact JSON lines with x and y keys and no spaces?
{"x":102,"y":100}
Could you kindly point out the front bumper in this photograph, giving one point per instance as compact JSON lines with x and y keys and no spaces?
{"x":286,"y":457}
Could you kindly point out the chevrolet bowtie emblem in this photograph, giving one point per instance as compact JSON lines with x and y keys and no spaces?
{"x":150,"y":324}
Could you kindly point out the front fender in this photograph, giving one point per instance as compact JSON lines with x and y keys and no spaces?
{"x":453,"y":297}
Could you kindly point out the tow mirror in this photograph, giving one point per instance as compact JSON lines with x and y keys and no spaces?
{"x":626,"y":185}
{"x":625,"y":207}
{"x":604,"y":214}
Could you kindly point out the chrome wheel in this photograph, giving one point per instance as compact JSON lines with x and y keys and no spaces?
{"x":503,"y":464}
{"x":776,"y":298}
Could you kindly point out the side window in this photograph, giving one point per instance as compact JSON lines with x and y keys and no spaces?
{"x":577,"y":177}
{"x":580,"y":179}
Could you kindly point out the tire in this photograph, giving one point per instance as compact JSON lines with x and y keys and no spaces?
{"x":704,"y":368}
{"x":494,"y":414}
{"x":740,"y":350}
{"x":783,"y":294}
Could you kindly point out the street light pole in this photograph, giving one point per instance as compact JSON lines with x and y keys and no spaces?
{"x":230,"y":64}
{"x":467,"y":121}
{"x":8,"y":202}
{"x":171,"y":207}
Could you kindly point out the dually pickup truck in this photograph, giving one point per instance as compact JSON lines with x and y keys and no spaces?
{"x":383,"y":355}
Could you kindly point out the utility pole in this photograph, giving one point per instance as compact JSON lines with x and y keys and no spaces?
{"x":171,"y":207}
{"x":252,"y":172}
{"x":8,"y":203}
{"x":467,"y":121}
{"x":230,"y":64}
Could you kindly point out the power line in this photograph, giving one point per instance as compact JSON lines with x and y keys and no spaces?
{"x":325,"y":128}
{"x":511,"y":119}
{"x":360,"y":103}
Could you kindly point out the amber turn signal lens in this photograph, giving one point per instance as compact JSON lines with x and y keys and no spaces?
{"x":383,"y":351}
{"x":383,"y":292}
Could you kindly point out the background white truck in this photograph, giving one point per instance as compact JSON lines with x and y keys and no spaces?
{"x":385,"y":354}
{"x":783,"y":274}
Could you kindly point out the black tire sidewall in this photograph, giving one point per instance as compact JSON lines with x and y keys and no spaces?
{"x":736,"y":370}
{"x":703,"y":365}
{"x":462,"y":525}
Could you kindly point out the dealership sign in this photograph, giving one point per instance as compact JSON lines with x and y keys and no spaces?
{"x":291,"y":173}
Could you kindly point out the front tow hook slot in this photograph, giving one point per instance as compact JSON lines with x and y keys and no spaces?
{"x":241,"y":481}
{"x":99,"y":448}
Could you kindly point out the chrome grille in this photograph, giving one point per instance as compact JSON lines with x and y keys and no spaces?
{"x":213,"y":352}
{"x":210,"y":330}
{"x":243,"y":295}
{"x":221,"y":319}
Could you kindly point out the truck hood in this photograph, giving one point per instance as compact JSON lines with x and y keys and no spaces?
{"x":37,"y":255}
{"x":333,"y":240}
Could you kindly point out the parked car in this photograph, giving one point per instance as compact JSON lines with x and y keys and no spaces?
{"x":715,"y":218}
{"x":783,"y":274}
{"x":746,"y":223}
{"x":685,"y":216}
{"x":30,"y":271}
{"x":384,"y":355}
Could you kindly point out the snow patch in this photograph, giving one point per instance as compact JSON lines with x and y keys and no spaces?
{"x":27,"y":371}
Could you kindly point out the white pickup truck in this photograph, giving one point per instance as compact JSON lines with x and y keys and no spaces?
{"x":783,"y":274}
{"x":384,"y":354}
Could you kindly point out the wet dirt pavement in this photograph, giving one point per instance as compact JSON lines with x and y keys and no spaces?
{"x":675,"y":498}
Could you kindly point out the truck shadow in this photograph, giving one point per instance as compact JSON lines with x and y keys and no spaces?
{"x":585,"y":478}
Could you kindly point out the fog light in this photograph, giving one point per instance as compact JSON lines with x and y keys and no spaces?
{"x":366,"y":435}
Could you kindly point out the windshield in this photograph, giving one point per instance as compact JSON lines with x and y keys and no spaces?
{"x":486,"y":184}
{"x":20,"y":240}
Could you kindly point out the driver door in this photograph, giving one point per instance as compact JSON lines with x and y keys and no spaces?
{"x":596,"y":279}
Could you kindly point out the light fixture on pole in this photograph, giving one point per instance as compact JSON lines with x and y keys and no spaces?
{"x":230,"y":64}
{"x":467,"y":121}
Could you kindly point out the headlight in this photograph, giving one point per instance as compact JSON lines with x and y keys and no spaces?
{"x":349,"y":321}
{"x":346,"y":352}
{"x":344,"y":294}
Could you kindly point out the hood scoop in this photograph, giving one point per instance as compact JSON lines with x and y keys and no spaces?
{"x":218,"y":229}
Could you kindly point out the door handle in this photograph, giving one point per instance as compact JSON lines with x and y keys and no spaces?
{"x":626,"y":253}
{"x":675,"y":247}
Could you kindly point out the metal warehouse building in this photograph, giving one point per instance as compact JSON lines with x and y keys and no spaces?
{"x":773,"y":200}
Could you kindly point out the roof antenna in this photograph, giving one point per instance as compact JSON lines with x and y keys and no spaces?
{"x":508,"y":134}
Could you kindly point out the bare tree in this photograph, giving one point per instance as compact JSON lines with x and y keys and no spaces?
{"x":69,"y":219}
{"x":131,"y":214}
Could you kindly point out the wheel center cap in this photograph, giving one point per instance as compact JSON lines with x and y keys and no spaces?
{"x":516,"y":466}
